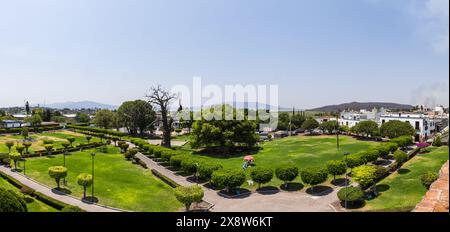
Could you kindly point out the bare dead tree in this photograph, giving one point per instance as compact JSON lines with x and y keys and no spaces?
{"x":161,"y":98}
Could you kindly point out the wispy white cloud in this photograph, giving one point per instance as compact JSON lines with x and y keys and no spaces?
{"x":430,"y":20}
{"x":433,"y":24}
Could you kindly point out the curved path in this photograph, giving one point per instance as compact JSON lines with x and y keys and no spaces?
{"x":68,"y":199}
{"x":255,"y":202}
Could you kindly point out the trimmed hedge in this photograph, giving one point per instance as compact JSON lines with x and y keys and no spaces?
{"x":165,"y":179}
{"x":39,"y":196}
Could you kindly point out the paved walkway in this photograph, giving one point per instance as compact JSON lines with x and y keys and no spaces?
{"x":68,"y":199}
{"x":255,"y":202}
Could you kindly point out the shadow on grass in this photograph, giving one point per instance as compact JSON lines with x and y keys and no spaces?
{"x":268,"y":190}
{"x":341,"y":182}
{"x":383,"y":188}
{"x":183,"y":174}
{"x":239,"y":193}
{"x":292,"y":187}
{"x":403,"y":171}
{"x":192,"y":179}
{"x":61,"y":191}
{"x":354,"y":205}
{"x":383,"y":162}
{"x":319,"y":191}
{"x":90,"y":200}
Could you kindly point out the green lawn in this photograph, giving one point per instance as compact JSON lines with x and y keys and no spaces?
{"x":405,"y":191}
{"x":35,"y":206}
{"x":57,"y":137}
{"x":301,"y":151}
{"x":118,"y":183}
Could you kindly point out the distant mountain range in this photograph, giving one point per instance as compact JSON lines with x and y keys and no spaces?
{"x":80,"y":105}
{"x":362,"y":105}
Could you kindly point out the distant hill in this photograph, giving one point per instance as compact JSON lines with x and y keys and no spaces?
{"x":362,"y":105}
{"x":80,"y":105}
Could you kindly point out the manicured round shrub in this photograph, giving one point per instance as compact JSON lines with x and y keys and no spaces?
{"x":71,"y":140}
{"x":428,"y":178}
{"x":350,"y":194}
{"x":336,"y":167}
{"x":20,"y":148}
{"x":314,"y":176}
{"x":72,"y":209}
{"x":403,"y":141}
{"x":354,"y":160}
{"x":261,"y":175}
{"x":9,"y":145}
{"x":15,"y":157}
{"x":175,"y":161}
{"x":287,"y":173}
{"x":84,"y":180}
{"x":48,"y":148}
{"x":129,"y":154}
{"x":228,"y":178}
{"x":437,"y":142}
{"x":167,"y":154}
{"x":189,"y":166}
{"x":392,"y":147}
{"x":189,"y":195}
{"x":120,"y":143}
{"x":400,"y":157}
{"x":365,"y":175}
{"x":383,"y":150}
{"x":11,"y":202}
{"x":124,"y":147}
{"x":57,"y":173}
{"x":148,"y":148}
{"x":206,"y":169}
{"x":157,"y":151}
{"x":27,"y":146}
{"x":371,"y":155}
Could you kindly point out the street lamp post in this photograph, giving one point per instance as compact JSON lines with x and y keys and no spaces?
{"x":64,"y":158}
{"x":196,"y":172}
{"x":93,"y":155}
{"x":346,"y":177}
{"x":24,"y":166}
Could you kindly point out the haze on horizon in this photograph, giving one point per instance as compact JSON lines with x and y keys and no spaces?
{"x":319,"y":52}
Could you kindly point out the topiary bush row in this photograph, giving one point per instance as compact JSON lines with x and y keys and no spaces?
{"x":36,"y":129}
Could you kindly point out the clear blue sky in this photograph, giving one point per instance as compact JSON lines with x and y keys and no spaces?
{"x":318,"y":51}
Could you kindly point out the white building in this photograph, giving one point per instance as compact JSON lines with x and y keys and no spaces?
{"x":352,"y":118}
{"x":10,"y":124}
{"x":423,"y":125}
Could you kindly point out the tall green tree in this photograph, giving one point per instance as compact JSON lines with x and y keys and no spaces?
{"x":104,"y":118}
{"x":367,"y":128}
{"x":137,"y":116}
{"x":395,"y":128}
{"x":310,"y":124}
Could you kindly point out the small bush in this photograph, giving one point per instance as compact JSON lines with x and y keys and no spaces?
{"x":11,"y":202}
{"x":336,"y":167}
{"x":428,"y":178}
{"x":437,"y":142}
{"x":350,"y":194}
{"x":189,"y":195}
{"x":205,"y":170}
{"x":175,"y":161}
{"x":287,"y":173}
{"x":400,"y":157}
{"x":189,"y":166}
{"x":261,"y":175}
{"x":228,"y":178}
{"x":314,"y":176}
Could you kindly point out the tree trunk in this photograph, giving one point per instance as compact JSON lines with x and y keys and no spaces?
{"x":188,"y":207}
{"x":84,"y":193}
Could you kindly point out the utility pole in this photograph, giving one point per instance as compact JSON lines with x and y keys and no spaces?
{"x":337,"y":130}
